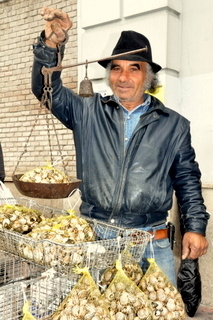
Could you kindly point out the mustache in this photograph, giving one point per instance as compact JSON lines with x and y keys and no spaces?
{"x":124,"y":84}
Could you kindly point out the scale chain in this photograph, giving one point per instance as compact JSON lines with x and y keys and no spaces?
{"x":46,"y":99}
{"x":26,"y":144}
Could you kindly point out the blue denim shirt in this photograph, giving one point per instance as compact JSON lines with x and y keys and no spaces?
{"x":131,"y":118}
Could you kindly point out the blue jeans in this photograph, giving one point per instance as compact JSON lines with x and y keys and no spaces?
{"x":162,"y":253}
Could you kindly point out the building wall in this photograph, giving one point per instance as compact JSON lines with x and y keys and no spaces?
{"x":196,"y":77}
{"x":23,"y":125}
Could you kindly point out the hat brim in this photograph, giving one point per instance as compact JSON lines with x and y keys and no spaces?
{"x":155,"y":67}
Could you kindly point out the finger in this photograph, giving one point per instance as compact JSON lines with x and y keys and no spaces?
{"x":185,"y":253}
{"x":47,"y":13}
{"x":185,"y":256}
{"x":194,"y":254}
{"x":185,"y":249}
{"x":64,"y":19}
{"x":58,"y":32}
{"x":203,"y":252}
{"x":59,"y":14}
{"x":50,"y":14}
{"x":43,"y":10}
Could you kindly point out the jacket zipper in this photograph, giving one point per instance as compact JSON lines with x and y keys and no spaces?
{"x":124,"y":168}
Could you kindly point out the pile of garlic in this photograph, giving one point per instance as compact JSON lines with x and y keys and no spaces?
{"x":46,"y":174}
{"x":18,"y":218}
{"x":54,"y":242}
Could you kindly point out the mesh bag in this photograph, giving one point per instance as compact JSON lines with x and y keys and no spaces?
{"x":125,"y":299}
{"x":84,"y":301}
{"x":131,"y":268}
{"x":165,"y":299}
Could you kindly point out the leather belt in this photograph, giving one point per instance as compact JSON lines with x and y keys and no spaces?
{"x":160,"y":234}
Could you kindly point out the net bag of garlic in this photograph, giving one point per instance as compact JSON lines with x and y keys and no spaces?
{"x":45,"y":174}
{"x":165,"y":299}
{"x":21,"y":219}
{"x":61,"y":229}
{"x":84,"y":301}
{"x":130,"y":267}
{"x":125,"y":299}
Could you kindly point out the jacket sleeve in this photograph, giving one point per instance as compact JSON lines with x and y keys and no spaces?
{"x":64,"y":100}
{"x":186,"y":176}
{"x":2,"y":171}
{"x":43,"y":56}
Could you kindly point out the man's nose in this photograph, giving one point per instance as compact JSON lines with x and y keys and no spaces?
{"x":124,"y":75}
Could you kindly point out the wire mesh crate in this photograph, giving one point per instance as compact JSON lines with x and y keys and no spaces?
{"x":43,"y":294}
{"x":45,"y":211}
{"x":12,"y":210}
{"x":97,"y":254}
{"x":109,"y":242}
{"x":13,"y":269}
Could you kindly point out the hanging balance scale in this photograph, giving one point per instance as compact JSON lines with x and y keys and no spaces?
{"x":54,"y":190}
{"x":57,"y":182}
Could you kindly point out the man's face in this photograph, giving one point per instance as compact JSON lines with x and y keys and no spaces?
{"x":126,"y":80}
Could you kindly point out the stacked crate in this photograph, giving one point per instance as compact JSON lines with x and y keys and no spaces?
{"x":23,"y":282}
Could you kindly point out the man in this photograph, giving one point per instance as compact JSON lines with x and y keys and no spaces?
{"x":131,"y":150}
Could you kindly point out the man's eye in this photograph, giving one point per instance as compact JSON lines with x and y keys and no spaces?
{"x":134,"y":69}
{"x":116,"y":69}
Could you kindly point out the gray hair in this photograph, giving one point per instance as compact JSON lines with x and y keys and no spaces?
{"x":151,"y":82}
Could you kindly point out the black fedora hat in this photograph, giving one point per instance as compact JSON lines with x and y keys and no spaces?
{"x":128,"y":41}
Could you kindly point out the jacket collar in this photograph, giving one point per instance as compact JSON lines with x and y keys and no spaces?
{"x":109,"y":100}
{"x":156,"y":105}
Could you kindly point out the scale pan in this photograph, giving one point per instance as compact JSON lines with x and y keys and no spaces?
{"x":45,"y":190}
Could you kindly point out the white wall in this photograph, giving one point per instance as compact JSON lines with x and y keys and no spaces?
{"x":196,"y":76}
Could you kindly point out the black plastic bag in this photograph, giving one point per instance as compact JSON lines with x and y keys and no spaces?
{"x":189,"y":285}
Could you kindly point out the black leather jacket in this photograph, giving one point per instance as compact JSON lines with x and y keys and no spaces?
{"x":131,"y":187}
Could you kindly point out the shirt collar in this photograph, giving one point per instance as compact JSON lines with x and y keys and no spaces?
{"x":144,"y":105}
